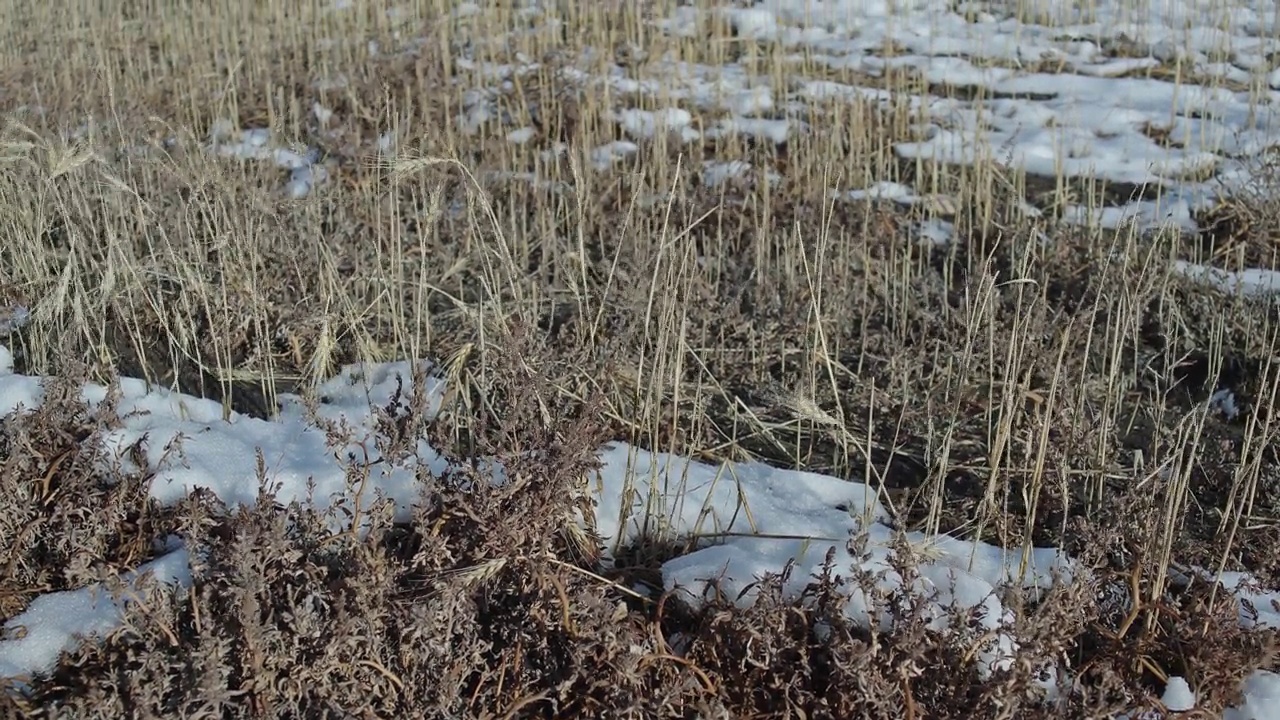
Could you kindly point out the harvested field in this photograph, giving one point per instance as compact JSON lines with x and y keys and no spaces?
{"x":705,"y":359}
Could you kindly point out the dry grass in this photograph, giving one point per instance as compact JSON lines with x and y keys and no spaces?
{"x":1009,"y":390}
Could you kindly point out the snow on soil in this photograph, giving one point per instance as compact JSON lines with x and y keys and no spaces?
{"x":752,"y":518}
{"x":1177,"y":99}
{"x":305,"y":169}
{"x":1178,"y":696}
{"x":1174,"y":99}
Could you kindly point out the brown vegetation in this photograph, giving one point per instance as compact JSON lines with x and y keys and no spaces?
{"x":997,"y":387}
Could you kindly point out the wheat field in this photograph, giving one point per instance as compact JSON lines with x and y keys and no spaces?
{"x":1006,"y":263}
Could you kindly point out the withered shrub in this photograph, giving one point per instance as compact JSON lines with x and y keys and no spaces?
{"x":489,"y":602}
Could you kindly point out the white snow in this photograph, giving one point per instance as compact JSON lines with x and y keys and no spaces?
{"x":322,"y":113}
{"x":1250,"y":282}
{"x":603,"y":157}
{"x":52,"y":622}
{"x":1178,"y":696}
{"x":775,"y":131}
{"x":1064,"y":89}
{"x":717,"y":172}
{"x":753,"y":101}
{"x":935,"y":231}
{"x":885,"y":190}
{"x":1224,"y":401}
{"x":305,"y":170}
{"x":644,"y":124}
{"x":937,"y":204}
{"x":1175,"y":214}
{"x":521,"y":136}
{"x":1261,"y":698}
{"x":752,"y":23}
{"x":13,"y":317}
